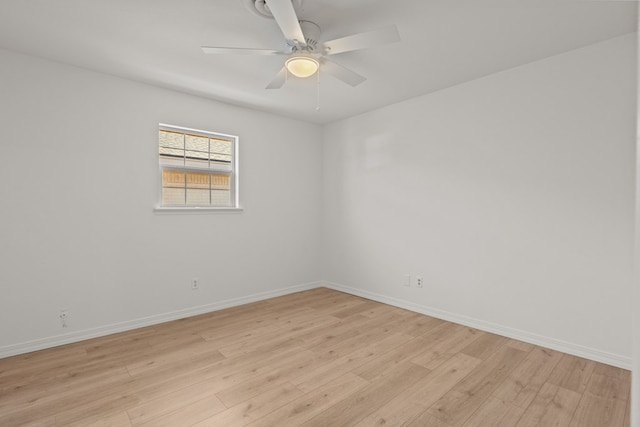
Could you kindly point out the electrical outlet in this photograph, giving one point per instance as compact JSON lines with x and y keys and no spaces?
{"x":419,"y":282}
{"x":195,"y":284}
{"x":64,"y":314}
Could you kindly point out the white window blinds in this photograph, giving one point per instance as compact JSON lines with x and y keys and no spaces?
{"x":198,"y":168}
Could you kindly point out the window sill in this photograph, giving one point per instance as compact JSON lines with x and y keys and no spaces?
{"x":194,"y":210}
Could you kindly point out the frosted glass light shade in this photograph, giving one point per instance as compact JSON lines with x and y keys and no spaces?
{"x":302,"y":66}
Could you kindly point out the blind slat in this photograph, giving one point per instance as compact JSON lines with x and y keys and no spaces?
{"x":197,"y":170}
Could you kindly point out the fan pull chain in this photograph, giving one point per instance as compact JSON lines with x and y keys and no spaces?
{"x":318,"y":92}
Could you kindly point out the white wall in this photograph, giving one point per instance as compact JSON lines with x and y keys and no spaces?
{"x":512,"y":195}
{"x":78,"y":183}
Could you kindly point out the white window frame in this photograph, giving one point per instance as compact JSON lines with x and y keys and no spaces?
{"x":234,"y":175}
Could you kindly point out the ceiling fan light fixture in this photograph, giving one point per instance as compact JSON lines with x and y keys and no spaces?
{"x":302,"y":66}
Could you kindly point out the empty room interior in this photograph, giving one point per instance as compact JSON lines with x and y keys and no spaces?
{"x":319,"y":213}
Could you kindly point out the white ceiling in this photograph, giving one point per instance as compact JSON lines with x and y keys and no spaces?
{"x":444,"y":42}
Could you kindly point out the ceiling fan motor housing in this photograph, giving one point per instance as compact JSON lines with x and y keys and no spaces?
{"x":311,"y":32}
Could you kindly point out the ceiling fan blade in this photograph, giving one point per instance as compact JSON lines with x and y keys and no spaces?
{"x":363,"y":40}
{"x":278,"y":80}
{"x":285,"y":15}
{"x":240,"y":51}
{"x":341,"y":73}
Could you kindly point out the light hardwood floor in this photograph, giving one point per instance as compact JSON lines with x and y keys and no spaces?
{"x":315,"y":358}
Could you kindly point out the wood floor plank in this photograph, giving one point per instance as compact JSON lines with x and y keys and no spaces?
{"x":349,"y":362}
{"x":520,"y":345}
{"x":315,"y":358}
{"x":172,"y":402}
{"x":553,"y":406}
{"x":254,"y":408}
{"x":32,"y":421}
{"x":188,"y":414}
{"x":121,"y":345}
{"x":605,"y":401}
{"x":445,"y":347}
{"x":228,"y":335}
{"x":255,"y":338}
{"x":348,"y":344}
{"x":40,"y":362}
{"x":349,"y":331}
{"x":627,"y":417}
{"x":219,"y":327}
{"x":389,"y":360}
{"x":258,"y":384}
{"x":32,"y":403}
{"x":416,"y":324}
{"x":221,"y":375}
{"x":412,"y":400}
{"x":323,"y":334}
{"x":363,"y":307}
{"x":609,"y":387}
{"x":353,"y":408}
{"x":457,"y":405}
{"x":425,"y":420}
{"x":572,"y":373}
{"x":594,"y":411}
{"x":46,"y":387}
{"x":173,"y":360}
{"x":173,"y":340}
{"x":495,"y":413}
{"x":380,"y":309}
{"x":304,"y":321}
{"x":525,"y":381}
{"x":96,"y":409}
{"x":120,"y":419}
{"x":265,"y":343}
{"x":485,"y":346}
{"x":313,"y":403}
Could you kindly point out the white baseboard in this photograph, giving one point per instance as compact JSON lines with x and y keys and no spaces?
{"x":566,"y":347}
{"x":552,"y":343}
{"x":40,"y":344}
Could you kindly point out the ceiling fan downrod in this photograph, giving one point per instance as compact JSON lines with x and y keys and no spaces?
{"x":261,"y":7}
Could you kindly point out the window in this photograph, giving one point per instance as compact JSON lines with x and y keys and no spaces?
{"x":198,"y":168}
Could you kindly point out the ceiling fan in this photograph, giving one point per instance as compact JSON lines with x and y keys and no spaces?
{"x":306,"y":55}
